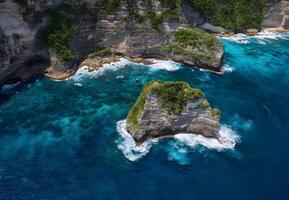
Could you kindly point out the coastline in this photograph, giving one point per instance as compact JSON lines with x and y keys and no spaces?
{"x":254,"y":32}
{"x":95,"y":64}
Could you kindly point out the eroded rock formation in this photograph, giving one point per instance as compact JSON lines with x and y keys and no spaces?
{"x":168,"y":108}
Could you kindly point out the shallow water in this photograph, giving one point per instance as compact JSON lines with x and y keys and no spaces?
{"x":59,"y":140}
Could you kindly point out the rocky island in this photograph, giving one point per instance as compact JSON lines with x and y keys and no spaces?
{"x":168,"y":108}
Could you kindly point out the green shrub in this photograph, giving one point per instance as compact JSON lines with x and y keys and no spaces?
{"x":205,"y":105}
{"x":58,"y":34}
{"x":232,"y":14}
{"x":216,"y":112}
{"x":155,"y":19}
{"x":100,"y":53}
{"x":171,"y":15}
{"x":137,"y":16}
{"x":172,"y":9}
{"x":172,"y":4}
{"x":195,"y":38}
{"x":58,"y":42}
{"x":108,"y":6}
{"x":188,"y":39}
{"x":58,"y":20}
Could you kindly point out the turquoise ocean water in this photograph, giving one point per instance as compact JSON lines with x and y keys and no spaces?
{"x":65,"y":140}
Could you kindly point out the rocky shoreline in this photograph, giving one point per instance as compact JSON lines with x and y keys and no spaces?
{"x":95,"y":64}
{"x":131,"y":29}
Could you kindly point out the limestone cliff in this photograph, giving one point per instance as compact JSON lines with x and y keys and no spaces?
{"x":169,"y":108}
{"x":55,"y":36}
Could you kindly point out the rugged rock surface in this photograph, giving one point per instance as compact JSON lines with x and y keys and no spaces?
{"x":131,"y":28}
{"x":277,"y":14}
{"x":168,"y":108}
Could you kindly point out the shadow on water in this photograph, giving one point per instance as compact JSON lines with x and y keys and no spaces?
{"x":8,"y":91}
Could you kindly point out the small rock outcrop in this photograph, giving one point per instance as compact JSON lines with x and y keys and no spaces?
{"x":168,"y":108}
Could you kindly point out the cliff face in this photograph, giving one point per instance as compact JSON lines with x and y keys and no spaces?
{"x":277,"y":14}
{"x":131,"y":28}
{"x":54,"y":36}
{"x":19,"y":56}
{"x":169,"y":108}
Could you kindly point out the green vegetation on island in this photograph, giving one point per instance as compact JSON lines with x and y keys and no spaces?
{"x":216,"y":113}
{"x":187,"y":39}
{"x":173,"y":97}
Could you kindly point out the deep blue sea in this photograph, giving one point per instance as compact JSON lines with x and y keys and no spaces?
{"x":59,"y":139}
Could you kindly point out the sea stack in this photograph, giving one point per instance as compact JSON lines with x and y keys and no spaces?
{"x":167,"y":108}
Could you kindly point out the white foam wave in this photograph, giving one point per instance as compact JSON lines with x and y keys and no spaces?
{"x":128,"y":146}
{"x":78,"y":84}
{"x":227,"y":140}
{"x":84,"y":71}
{"x":272,"y":35}
{"x":157,"y":65}
{"x":261,"y":37}
{"x":164,"y":64}
{"x":10,"y":86}
{"x":238,"y":38}
{"x":228,"y":69}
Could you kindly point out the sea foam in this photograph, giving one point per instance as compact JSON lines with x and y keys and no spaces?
{"x":227,"y":140}
{"x":156,"y":65}
{"x":84,"y":72}
{"x":10,"y":86}
{"x":164,"y":64}
{"x":262,"y":37}
{"x":127,"y":144}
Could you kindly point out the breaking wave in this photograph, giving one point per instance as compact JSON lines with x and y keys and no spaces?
{"x":164,"y":64}
{"x":227,"y":141}
{"x":156,"y":65}
{"x":261,"y":37}
{"x":10,"y":86}
{"x":127,"y":144}
{"x":228,"y":69}
{"x":84,"y":71}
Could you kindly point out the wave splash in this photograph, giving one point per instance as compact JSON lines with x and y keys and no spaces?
{"x":164,"y":65}
{"x":156,"y":65}
{"x":127,"y":144}
{"x":227,"y":141}
{"x":84,"y":72}
{"x":261,"y":37}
